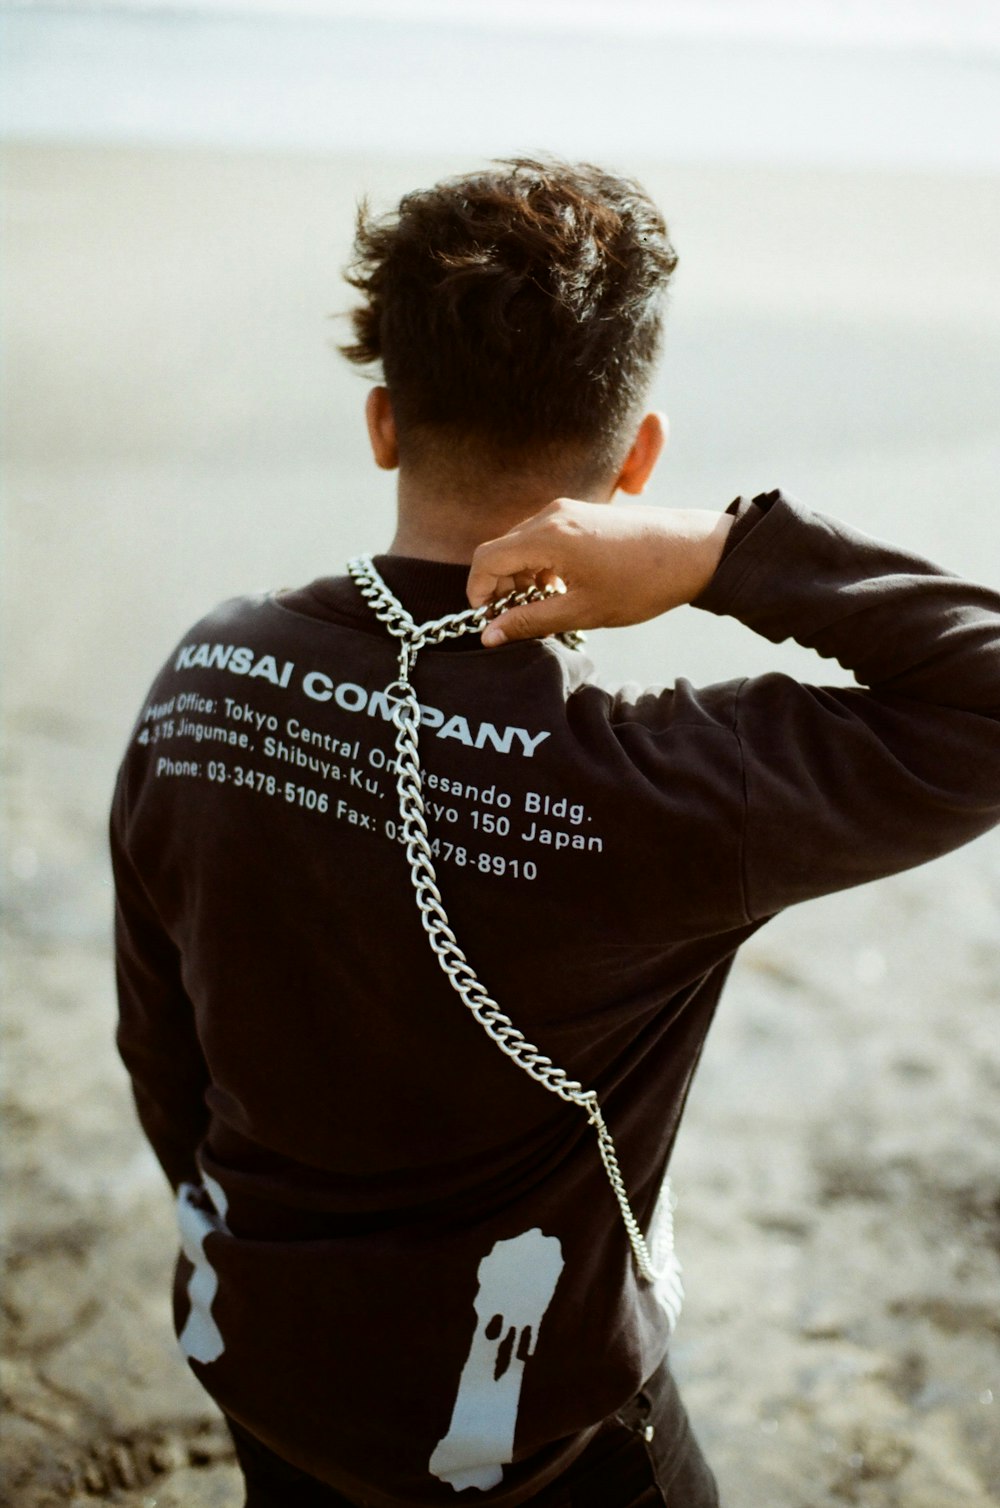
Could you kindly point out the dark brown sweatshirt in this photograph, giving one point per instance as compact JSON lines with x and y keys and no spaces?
{"x":403,"y":1266}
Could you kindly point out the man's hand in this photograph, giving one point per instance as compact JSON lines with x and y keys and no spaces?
{"x":618,"y":564}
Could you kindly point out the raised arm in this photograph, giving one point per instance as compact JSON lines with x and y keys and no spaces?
{"x":842,"y":784}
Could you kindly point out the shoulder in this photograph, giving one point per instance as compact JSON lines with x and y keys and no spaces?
{"x":243,"y":635}
{"x":246,"y":611}
{"x":253,"y":622}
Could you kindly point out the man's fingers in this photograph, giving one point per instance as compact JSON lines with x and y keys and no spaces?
{"x":535,"y":550}
{"x":498,"y":566}
{"x":532,"y":620}
{"x":504,"y":586}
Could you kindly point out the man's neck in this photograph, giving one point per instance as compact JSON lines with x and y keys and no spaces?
{"x":448,"y":524}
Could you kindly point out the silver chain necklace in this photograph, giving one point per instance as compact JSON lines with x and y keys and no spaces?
{"x":414,"y":835}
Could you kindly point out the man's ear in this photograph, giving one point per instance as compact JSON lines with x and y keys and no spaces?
{"x":382,"y":428}
{"x":647,"y":447}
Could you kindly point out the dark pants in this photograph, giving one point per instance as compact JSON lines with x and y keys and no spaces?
{"x":620,"y":1468}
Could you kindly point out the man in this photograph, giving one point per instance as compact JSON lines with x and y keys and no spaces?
{"x":420,"y":937}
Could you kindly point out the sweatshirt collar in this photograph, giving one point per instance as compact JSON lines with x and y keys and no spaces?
{"x":426,"y":588}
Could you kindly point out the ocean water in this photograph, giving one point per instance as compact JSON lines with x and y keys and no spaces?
{"x":851,"y":85}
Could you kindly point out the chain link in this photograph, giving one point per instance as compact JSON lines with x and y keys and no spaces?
{"x":413,"y":637}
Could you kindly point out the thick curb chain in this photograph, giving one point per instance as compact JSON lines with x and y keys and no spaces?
{"x":415,"y":837}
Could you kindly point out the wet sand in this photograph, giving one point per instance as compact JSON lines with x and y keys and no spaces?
{"x":177,"y":431}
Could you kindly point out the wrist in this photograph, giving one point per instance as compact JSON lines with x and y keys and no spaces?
{"x":704,"y":534}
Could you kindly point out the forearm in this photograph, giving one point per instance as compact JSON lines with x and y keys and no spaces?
{"x":173,"y":1116}
{"x":843,"y":784}
{"x":157,"y":1038}
{"x":897,"y":621}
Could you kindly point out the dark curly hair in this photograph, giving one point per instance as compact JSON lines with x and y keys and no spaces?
{"x":519,"y":308}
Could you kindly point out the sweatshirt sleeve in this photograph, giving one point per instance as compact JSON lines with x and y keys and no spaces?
{"x":845,"y":785}
{"x":156,"y":1037}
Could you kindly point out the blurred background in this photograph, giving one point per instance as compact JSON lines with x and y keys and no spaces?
{"x":179,"y":186}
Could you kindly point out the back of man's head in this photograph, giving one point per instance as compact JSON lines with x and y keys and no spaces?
{"x":517,"y":314}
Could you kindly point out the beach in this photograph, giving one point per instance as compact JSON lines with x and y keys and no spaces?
{"x":179,"y":429}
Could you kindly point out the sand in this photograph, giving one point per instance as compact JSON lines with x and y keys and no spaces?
{"x":177,"y":431}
